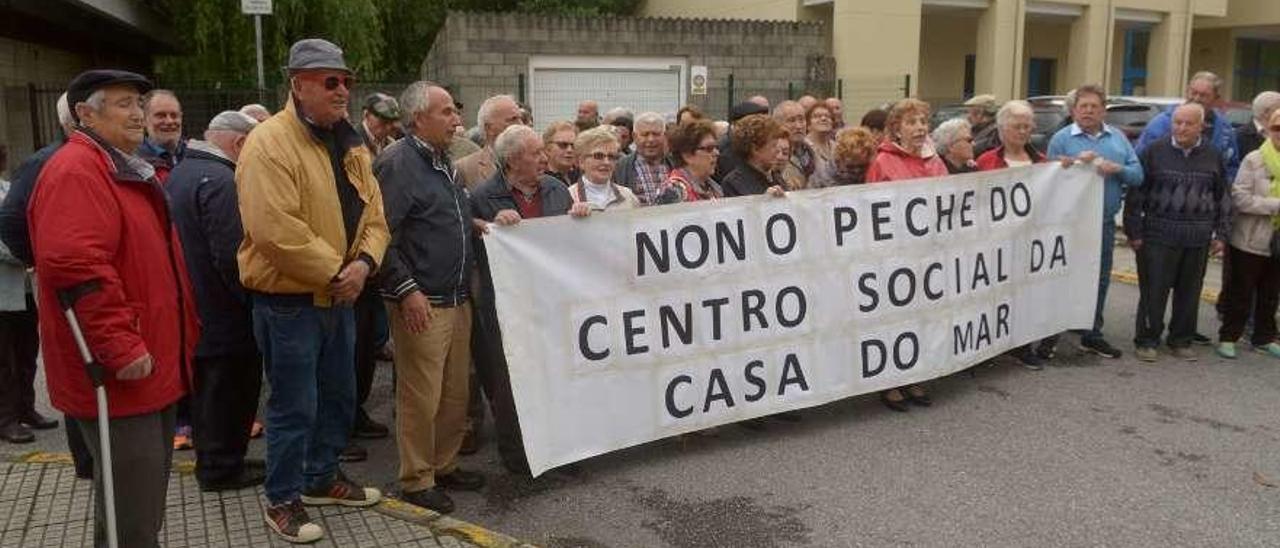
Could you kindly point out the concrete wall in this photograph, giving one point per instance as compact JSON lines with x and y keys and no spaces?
{"x":1215,"y":50}
{"x":482,"y":54}
{"x":944,"y":43}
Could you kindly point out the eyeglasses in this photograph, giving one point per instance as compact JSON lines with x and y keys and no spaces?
{"x":1274,"y":129}
{"x":602,"y":156}
{"x":709,"y":149}
{"x":564,"y":145}
{"x":331,"y":83}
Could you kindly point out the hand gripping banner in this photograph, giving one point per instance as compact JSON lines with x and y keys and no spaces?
{"x":632,"y":326}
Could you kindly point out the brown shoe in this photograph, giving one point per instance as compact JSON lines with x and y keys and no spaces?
{"x":341,"y":492}
{"x":291,"y":522}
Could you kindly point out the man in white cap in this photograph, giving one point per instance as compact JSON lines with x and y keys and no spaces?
{"x":314,"y":231}
{"x":228,"y":369}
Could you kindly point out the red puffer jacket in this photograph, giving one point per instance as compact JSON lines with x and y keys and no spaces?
{"x":892,"y":163}
{"x":96,"y":218}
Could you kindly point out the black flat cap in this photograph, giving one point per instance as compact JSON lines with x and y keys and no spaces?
{"x":89,"y":81}
{"x":745,"y":109}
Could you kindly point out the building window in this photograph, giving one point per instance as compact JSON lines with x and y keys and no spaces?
{"x":1133,"y":80}
{"x":970,"y":69}
{"x":1040,"y":76}
{"x":1257,"y":67}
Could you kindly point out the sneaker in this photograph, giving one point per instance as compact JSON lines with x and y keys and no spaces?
{"x":1100,"y":347}
{"x":1270,"y":349}
{"x":1147,"y":354}
{"x":1047,"y":352}
{"x":341,"y":491}
{"x":1201,"y":340}
{"x":182,"y":440}
{"x":1031,"y":360}
{"x":1185,"y":353}
{"x":291,"y":522}
{"x":434,"y":499}
{"x":1227,"y":350}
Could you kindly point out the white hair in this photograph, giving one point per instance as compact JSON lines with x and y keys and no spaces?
{"x":511,"y":141}
{"x":650,"y":119}
{"x":255,"y":110}
{"x":617,"y":112}
{"x":1197,"y":106}
{"x":97,"y":100}
{"x":486,"y":108}
{"x":947,"y":132}
{"x":413,"y":100}
{"x":65,"y":119}
{"x":1264,"y":104}
{"x":1017,"y":107}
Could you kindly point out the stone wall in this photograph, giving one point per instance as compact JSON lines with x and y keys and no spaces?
{"x":483,"y":54}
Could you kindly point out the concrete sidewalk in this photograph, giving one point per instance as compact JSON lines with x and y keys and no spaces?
{"x":43,"y":504}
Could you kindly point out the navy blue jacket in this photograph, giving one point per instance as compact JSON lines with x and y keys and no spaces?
{"x":202,"y":196}
{"x":13,"y":214}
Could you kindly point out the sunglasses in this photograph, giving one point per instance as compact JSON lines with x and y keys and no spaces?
{"x":331,"y":83}
{"x":601,"y":156}
{"x":1274,"y":129}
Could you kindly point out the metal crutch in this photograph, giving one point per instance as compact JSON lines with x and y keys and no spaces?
{"x":67,"y":298}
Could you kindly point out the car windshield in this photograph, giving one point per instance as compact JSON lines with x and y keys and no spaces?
{"x":1130,"y":115}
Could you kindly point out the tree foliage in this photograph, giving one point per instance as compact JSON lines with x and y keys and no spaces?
{"x":383,"y":39}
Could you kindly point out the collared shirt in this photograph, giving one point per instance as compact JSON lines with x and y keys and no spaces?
{"x":649,"y":178}
{"x":1186,"y":151}
{"x":1109,"y":144}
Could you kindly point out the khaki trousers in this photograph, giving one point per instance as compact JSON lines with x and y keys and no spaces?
{"x":431,"y":393}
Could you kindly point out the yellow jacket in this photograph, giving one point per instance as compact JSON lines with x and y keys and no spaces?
{"x":292,"y":218}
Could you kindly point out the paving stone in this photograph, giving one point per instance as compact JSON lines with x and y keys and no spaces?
{"x":45,"y":505}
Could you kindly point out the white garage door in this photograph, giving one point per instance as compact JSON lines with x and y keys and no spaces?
{"x":555,"y":91}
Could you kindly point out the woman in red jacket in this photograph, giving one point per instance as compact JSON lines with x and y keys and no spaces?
{"x":1014,"y":123}
{"x":906,"y":152}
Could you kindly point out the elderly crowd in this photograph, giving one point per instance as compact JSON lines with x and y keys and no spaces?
{"x":298,"y":246}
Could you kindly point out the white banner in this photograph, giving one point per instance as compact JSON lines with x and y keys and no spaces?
{"x":632,"y":326}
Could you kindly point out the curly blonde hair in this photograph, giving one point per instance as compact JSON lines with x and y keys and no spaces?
{"x":855,"y":142}
{"x":755,"y":131}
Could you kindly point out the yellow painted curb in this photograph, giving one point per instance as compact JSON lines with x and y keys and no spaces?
{"x":1208,"y":294}
{"x":439,"y":524}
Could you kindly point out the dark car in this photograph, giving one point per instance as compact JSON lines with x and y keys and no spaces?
{"x":947,"y":112}
{"x":1132,"y":114}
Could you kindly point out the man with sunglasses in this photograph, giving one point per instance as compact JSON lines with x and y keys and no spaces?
{"x":314,"y":231}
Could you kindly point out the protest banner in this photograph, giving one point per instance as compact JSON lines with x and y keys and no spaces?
{"x":631,"y":326}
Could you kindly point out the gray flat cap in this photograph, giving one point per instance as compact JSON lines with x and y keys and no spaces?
{"x":230,"y":120}
{"x":316,"y":53}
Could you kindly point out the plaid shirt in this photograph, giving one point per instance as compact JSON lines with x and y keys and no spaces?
{"x":649,"y":180}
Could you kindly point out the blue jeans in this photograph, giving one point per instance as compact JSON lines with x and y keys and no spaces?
{"x":308,"y":354}
{"x":1104,"y":278}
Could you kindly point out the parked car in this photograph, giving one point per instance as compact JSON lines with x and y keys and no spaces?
{"x":947,"y":112}
{"x":1239,"y":114}
{"x":1131,"y":114}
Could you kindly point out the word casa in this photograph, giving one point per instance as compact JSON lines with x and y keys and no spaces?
{"x":715,"y":393}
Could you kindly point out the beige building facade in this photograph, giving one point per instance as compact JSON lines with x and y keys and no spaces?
{"x":945,"y":50}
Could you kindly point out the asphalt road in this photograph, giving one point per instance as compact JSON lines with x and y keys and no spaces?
{"x":1088,"y":452}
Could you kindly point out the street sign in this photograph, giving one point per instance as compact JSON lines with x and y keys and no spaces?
{"x":255,"y":7}
{"x":698,"y":80}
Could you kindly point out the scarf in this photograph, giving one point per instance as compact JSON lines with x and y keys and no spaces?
{"x":1271,"y":159}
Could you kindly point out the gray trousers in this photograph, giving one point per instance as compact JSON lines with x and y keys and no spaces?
{"x":1163,"y":269}
{"x":142,"y":454}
